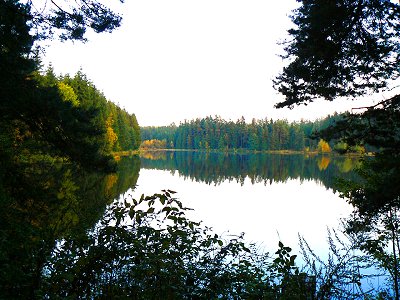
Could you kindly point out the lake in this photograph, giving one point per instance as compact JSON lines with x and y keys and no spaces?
{"x":269,"y":197}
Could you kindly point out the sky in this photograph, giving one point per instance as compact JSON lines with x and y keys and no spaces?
{"x":173,"y":60}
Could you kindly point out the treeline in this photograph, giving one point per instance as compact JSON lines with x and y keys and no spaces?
{"x":259,"y":135}
{"x":121,"y":129}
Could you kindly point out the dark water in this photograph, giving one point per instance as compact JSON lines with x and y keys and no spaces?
{"x":55,"y":202}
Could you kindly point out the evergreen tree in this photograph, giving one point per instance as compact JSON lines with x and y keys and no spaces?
{"x":216,"y":133}
{"x":352,"y":48}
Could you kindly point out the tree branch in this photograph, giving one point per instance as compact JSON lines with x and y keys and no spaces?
{"x":375,"y":105}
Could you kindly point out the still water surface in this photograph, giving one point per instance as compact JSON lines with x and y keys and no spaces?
{"x":269,"y":197}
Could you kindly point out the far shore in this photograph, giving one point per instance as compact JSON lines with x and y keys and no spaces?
{"x":244,"y":151}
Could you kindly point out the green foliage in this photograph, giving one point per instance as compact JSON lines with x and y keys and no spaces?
{"x":52,"y":114}
{"x":68,"y":94}
{"x":148,"y":249}
{"x":120,"y":129}
{"x":51,"y":140}
{"x":154,"y":251}
{"x":340,"y":48}
{"x":293,"y":283}
{"x":260,"y":135}
{"x":54,"y":129}
{"x":341,"y":147}
{"x":15,"y":54}
{"x":35,"y":117}
{"x":350,"y":48}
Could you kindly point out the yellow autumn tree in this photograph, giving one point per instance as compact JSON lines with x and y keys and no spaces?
{"x":67,"y":93}
{"x":323,"y":146}
{"x":154,"y":144}
{"x":111,"y":136}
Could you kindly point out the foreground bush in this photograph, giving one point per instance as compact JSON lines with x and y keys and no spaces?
{"x":149,"y":249}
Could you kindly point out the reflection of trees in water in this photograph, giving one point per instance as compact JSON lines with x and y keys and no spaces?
{"x":59,"y":201}
{"x":156,"y":155}
{"x":323,"y":162}
{"x":214,"y":168}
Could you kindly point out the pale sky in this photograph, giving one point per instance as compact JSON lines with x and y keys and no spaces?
{"x":181,"y":59}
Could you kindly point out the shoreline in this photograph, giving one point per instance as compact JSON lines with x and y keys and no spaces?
{"x":246,"y":151}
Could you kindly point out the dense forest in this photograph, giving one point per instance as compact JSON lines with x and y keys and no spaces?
{"x":259,"y":135}
{"x":57,"y":135}
{"x":121,"y":129}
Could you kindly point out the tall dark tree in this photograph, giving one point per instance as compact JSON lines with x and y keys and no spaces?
{"x":44,"y":138}
{"x":340,"y":48}
{"x":352,"y":48}
{"x":37,"y":105}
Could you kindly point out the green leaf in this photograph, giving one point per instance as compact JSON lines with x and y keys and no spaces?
{"x":127,"y":204}
{"x":162,"y":200}
{"x":292,"y":259}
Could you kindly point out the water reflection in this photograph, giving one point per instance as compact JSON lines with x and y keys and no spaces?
{"x":65,"y":202}
{"x":267,"y":196}
{"x":215,"y":168}
{"x":54,"y":200}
